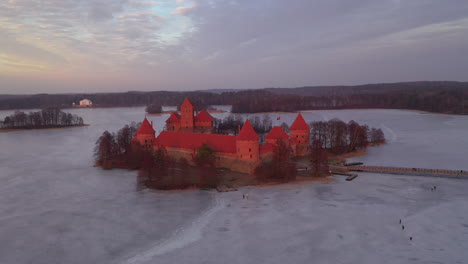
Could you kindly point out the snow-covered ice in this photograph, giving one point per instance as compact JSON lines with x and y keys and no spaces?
{"x":55,"y":207}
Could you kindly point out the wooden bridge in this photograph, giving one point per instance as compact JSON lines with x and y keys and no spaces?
{"x":410,"y":171}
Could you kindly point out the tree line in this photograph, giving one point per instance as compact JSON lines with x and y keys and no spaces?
{"x":46,"y":118}
{"x":446,"y":97}
{"x":453,"y":102}
{"x":339,"y":137}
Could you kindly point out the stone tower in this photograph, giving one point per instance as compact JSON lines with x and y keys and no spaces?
{"x":300,"y":134}
{"x":187,"y":115}
{"x":247,"y":143}
{"x":145,"y":134}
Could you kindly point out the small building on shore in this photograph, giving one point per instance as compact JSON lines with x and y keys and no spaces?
{"x":243,"y":153}
{"x":86,"y":103}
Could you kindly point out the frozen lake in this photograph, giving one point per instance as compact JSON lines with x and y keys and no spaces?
{"x":55,"y":207}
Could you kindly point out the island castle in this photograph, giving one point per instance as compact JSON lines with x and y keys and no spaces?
{"x":242,"y":153}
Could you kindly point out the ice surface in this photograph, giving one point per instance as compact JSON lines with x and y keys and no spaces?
{"x":55,"y":207}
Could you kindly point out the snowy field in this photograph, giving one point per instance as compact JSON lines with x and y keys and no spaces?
{"x":55,"y":207}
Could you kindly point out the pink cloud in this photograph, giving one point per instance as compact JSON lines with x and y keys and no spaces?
{"x":182,"y":10}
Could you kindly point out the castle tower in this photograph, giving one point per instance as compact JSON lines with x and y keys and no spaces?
{"x":300,"y":134}
{"x":187,"y":115}
{"x":145,"y":134}
{"x":247,"y":143}
{"x":173,"y":122}
{"x":277,"y":134}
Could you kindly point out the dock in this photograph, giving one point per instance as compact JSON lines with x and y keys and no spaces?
{"x":351,"y":176}
{"x":410,"y":171}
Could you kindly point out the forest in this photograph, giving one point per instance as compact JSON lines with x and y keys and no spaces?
{"x":440,"y":97}
{"x":46,"y":118}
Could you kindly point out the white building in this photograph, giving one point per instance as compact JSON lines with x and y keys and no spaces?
{"x":86,"y":102}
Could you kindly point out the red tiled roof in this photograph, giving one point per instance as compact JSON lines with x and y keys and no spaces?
{"x":203,"y":116}
{"x":277,"y":133}
{"x":247,"y":132}
{"x":145,"y":128}
{"x":174,"y":118}
{"x":185,"y":140}
{"x":186,"y":102}
{"x":299,"y":124}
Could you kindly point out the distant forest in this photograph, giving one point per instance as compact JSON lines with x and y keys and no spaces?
{"x":440,"y":97}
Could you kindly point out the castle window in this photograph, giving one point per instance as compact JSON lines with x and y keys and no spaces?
{"x":250,"y":156}
{"x":250,"y":150}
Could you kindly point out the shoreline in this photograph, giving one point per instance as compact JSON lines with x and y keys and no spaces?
{"x":8,"y":130}
{"x":342,"y":158}
{"x":231,"y":179}
{"x":344,"y":109}
{"x":272,"y":112}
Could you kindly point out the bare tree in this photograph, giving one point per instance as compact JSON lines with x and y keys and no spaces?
{"x":319,"y":159}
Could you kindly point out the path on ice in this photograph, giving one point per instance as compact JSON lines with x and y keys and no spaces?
{"x":182,"y":237}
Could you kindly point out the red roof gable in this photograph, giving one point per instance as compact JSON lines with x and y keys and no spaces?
{"x":174,"y":118}
{"x":203,"y":116}
{"x":185,"y":140}
{"x":247,"y":132}
{"x":277,"y":133}
{"x":186,"y":102}
{"x":145,"y":128}
{"x":299,"y":124}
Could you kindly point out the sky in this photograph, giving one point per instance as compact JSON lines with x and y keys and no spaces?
{"x":67,"y":46}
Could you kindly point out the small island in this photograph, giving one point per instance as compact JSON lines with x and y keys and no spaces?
{"x":50,"y":118}
{"x":196,"y":150}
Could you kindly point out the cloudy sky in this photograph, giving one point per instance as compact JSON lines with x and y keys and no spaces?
{"x":121,"y":45}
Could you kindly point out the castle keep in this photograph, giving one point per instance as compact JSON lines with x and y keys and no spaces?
{"x":187,"y":121}
{"x":243,"y":153}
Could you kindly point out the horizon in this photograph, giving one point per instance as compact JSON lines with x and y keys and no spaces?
{"x":99,"y":46}
{"x":230,"y":89}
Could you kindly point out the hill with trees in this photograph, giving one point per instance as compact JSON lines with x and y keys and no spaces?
{"x":439,"y":97}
